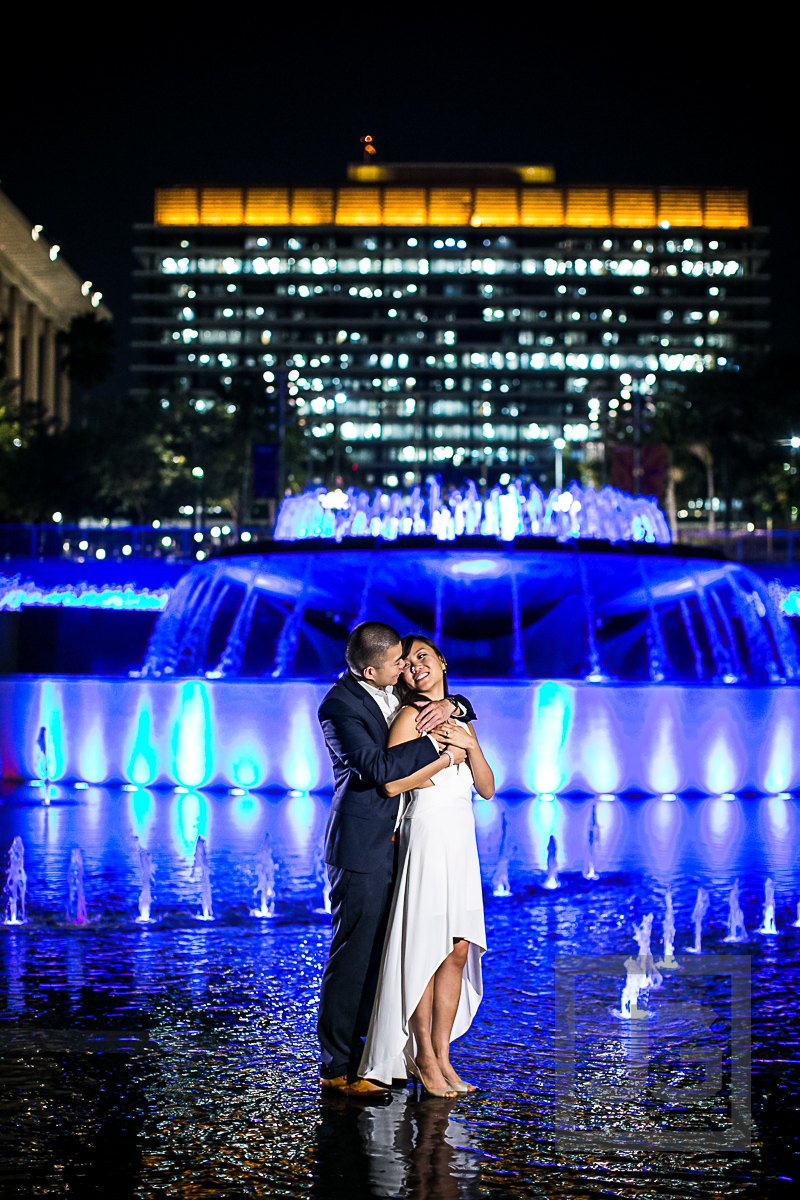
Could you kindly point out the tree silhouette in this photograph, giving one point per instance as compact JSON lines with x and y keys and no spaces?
{"x":90,"y":353}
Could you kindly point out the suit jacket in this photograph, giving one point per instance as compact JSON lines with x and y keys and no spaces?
{"x":361,"y":821}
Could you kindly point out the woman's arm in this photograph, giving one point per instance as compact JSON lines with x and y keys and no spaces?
{"x":454,"y":735}
{"x":404,"y":729}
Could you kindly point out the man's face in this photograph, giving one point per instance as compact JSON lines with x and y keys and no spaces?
{"x":388,"y":671}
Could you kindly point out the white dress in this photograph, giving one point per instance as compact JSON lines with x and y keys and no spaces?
{"x":437,"y":897}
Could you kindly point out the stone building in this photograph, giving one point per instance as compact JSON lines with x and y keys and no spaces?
{"x":39,"y":296}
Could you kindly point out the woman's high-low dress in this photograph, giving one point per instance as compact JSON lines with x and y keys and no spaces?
{"x":437,"y":898}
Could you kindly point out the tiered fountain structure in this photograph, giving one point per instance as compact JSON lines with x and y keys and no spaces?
{"x":601,"y":657}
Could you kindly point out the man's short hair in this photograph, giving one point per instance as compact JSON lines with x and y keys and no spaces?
{"x":368,"y":645}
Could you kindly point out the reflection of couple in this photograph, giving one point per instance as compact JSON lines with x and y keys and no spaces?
{"x":405,"y":961}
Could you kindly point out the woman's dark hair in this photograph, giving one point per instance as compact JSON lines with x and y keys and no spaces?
{"x":406,"y":694}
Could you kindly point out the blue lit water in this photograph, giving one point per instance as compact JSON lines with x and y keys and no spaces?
{"x":178,"y":1058}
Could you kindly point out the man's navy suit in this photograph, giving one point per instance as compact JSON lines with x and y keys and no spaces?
{"x":360,"y":855}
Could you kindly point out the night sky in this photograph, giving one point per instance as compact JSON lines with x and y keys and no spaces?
{"x":88,"y":133}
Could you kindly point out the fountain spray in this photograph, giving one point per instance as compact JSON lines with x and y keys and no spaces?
{"x":44,"y":764}
{"x":768,"y":925}
{"x":16,"y":884}
{"x":552,"y":882}
{"x":321,"y":876}
{"x":700,"y":910}
{"x":642,"y":975}
{"x":148,"y":874}
{"x":265,"y":885}
{"x":736,"y":929}
{"x":589,"y":871}
{"x":202,"y":871}
{"x":76,"y":903}
{"x":669,"y":962}
{"x":500,"y":883}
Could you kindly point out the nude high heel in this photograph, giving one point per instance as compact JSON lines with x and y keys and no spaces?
{"x":449,"y":1093}
{"x":464,"y":1088}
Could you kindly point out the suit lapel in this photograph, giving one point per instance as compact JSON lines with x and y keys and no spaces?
{"x":361,"y":694}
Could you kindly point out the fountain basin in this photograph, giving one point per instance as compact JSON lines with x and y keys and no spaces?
{"x":541,"y":737}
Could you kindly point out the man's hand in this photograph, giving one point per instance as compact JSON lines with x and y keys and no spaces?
{"x":434,"y":714}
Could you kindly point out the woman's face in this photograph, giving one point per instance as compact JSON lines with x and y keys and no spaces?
{"x":424,"y":670}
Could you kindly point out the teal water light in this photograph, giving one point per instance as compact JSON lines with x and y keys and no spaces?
{"x":142,"y":759}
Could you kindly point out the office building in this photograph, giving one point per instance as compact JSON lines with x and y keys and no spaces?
{"x":457,"y":318}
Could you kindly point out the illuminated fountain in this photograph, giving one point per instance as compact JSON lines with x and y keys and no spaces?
{"x":147,"y":873}
{"x":202,"y":872}
{"x":768,"y":925}
{"x":544,"y":608}
{"x":76,"y":902}
{"x":669,"y":962}
{"x":736,"y":927}
{"x":590,"y":871}
{"x":551,"y":880}
{"x":500,"y":883}
{"x":323,"y":879}
{"x":699,"y":911}
{"x":265,"y":881}
{"x":16,"y":884}
{"x":506,"y":513}
{"x":641,"y":976}
{"x":547,"y":633}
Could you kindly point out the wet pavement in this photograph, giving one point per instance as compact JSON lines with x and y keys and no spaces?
{"x":177,"y":1058}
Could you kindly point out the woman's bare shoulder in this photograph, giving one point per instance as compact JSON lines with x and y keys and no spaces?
{"x":404,"y":725}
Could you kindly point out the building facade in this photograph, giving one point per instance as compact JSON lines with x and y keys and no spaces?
{"x":457,"y":318}
{"x":39,"y":296}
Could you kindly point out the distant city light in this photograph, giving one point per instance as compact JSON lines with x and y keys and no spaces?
{"x":198,"y":472}
{"x":86,"y":287}
{"x":37,"y":229}
{"x":54,"y":253}
{"x":57,"y":516}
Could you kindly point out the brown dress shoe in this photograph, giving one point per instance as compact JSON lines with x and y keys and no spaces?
{"x":336,"y":1084}
{"x":365,"y":1087}
{"x":359,"y":1087}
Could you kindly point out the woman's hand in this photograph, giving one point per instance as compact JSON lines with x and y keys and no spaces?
{"x":432,"y":714}
{"x":459,"y":755}
{"x":450,"y":733}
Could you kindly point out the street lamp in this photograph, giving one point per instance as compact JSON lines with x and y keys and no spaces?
{"x":560,"y":446}
{"x":198,"y":474}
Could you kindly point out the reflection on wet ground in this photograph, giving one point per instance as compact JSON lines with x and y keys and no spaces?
{"x":178,"y":1057}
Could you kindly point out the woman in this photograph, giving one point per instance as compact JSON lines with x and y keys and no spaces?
{"x":430,"y":981}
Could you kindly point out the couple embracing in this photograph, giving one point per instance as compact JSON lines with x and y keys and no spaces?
{"x":403,"y":978}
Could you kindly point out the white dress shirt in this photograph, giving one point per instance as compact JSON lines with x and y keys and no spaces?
{"x":384,"y":697}
{"x":389,"y":705}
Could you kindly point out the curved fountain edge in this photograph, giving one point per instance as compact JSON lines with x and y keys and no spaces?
{"x":548,"y":736}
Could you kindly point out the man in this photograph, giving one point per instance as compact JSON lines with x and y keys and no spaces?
{"x":359,"y":846}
